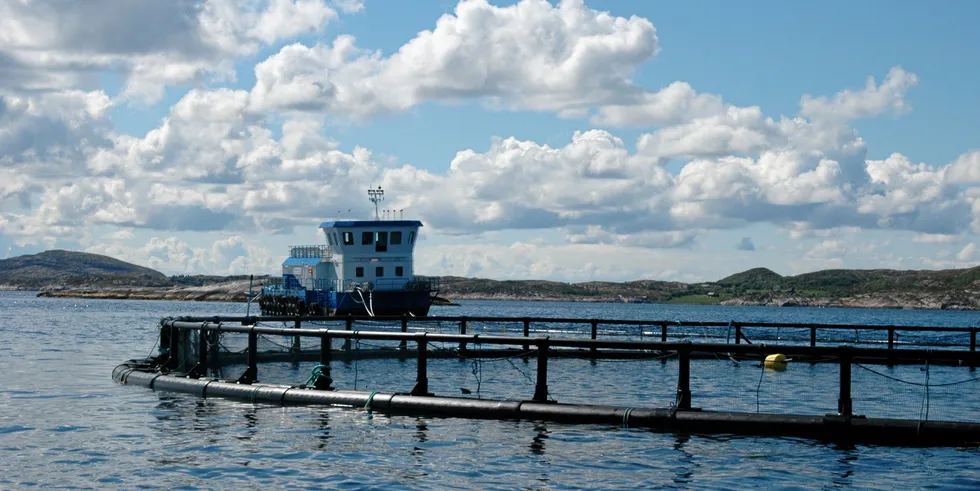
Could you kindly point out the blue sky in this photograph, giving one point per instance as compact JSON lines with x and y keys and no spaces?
{"x":154,"y":172}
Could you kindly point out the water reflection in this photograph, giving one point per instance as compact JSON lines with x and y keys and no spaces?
{"x":537,"y":443}
{"x":686,"y":463}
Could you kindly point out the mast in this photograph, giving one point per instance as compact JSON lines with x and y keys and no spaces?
{"x":376,"y":196}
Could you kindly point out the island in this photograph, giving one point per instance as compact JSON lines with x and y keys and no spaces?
{"x":59,"y":273}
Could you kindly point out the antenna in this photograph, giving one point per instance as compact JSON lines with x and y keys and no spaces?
{"x":401,"y":213}
{"x":376,"y":196}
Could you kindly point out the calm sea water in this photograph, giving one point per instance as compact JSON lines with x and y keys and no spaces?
{"x":65,"y":423}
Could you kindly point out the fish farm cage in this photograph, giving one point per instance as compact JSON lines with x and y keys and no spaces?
{"x":892,"y":385}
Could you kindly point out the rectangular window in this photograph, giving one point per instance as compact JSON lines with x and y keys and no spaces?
{"x":396,"y":238}
{"x":335,"y":241}
{"x":379,"y":271}
{"x":411,"y":237}
{"x":348,"y":238}
{"x":367,"y":238}
{"x":330,"y":240}
{"x":399,"y":271}
{"x":359,"y":272}
{"x":381,"y":242}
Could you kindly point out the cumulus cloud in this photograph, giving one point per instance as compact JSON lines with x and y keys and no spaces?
{"x":531,"y":55}
{"x":870,"y":102}
{"x":51,"y":45}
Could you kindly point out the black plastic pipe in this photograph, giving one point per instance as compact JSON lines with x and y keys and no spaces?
{"x":824,"y":428}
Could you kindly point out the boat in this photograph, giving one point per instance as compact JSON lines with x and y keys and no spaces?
{"x":365,"y":268}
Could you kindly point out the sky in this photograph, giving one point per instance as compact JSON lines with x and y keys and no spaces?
{"x":566,"y":140}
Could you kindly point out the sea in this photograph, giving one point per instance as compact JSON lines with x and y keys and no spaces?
{"x":64,"y":423}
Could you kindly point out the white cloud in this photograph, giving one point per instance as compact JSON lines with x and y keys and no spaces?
{"x":52,"y":45}
{"x":531,"y":55}
{"x":965,"y":170}
{"x":676,"y":103}
{"x":935,"y":238}
{"x":872,"y":101}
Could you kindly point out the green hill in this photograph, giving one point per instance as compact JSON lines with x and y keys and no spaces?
{"x":70,"y":268}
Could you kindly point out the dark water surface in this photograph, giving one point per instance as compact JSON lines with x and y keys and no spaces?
{"x":65,"y":423}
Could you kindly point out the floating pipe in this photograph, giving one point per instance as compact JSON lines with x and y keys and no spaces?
{"x":852,"y":430}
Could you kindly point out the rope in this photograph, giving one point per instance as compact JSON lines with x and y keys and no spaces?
{"x":367,"y":405}
{"x":758,"y":387}
{"x":925,"y":402}
{"x":315,"y":375}
{"x":919,"y":384}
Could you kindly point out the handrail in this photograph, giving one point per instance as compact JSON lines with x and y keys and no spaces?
{"x":564,"y":320}
{"x":741,"y":349}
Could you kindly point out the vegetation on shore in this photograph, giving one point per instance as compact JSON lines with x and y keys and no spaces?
{"x":77,"y":274}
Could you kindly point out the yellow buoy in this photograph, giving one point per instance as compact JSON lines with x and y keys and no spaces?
{"x":776,"y":362}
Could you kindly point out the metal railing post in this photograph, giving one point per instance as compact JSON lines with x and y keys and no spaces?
{"x":403,"y":345}
{"x":422,"y":378}
{"x":663,"y":332}
{"x":844,"y":404}
{"x":973,"y":348}
{"x":462,"y":331}
{"x":348,"y":326}
{"x":813,"y":336}
{"x":738,"y":333}
{"x":684,"y":379}
{"x":173,"y":361}
{"x":527,"y":332}
{"x":297,"y":347}
{"x":201,"y":369}
{"x":252,"y":372}
{"x":324,"y":381}
{"x":595,"y":331}
{"x":541,"y":388}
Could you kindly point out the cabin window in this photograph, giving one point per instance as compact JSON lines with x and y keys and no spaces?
{"x":348,"y":238}
{"x":379,"y":271}
{"x":411,"y":237}
{"x":330,"y":240}
{"x":367,"y":238}
{"x":381,"y":242}
{"x":399,"y":271}
{"x":396,"y":238}
{"x":335,"y":241}
{"x":359,"y":272}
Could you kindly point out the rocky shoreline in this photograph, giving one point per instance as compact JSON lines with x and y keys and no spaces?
{"x":237,"y":291}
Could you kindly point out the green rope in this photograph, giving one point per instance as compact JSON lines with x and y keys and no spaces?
{"x":315,"y":375}
{"x":367,"y":405}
